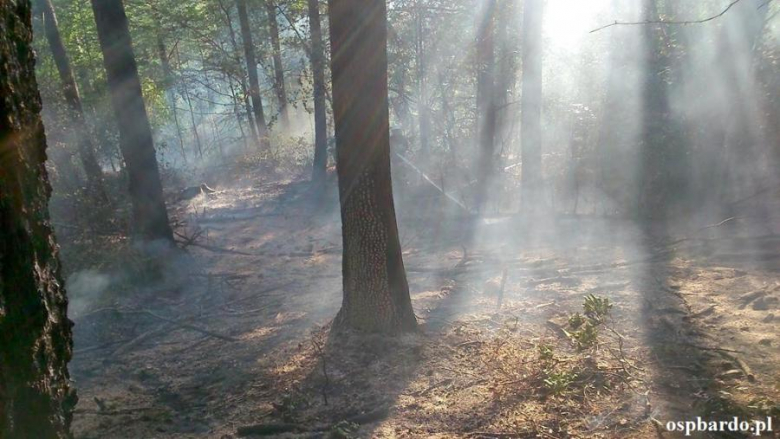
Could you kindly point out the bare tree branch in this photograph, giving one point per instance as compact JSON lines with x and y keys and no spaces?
{"x":666,"y":22}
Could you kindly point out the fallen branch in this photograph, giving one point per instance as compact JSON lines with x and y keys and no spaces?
{"x":221,"y":250}
{"x":269,"y":429}
{"x":180,"y":323}
{"x":259,"y":293}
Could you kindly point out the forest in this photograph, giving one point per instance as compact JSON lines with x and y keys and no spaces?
{"x":389,"y":219}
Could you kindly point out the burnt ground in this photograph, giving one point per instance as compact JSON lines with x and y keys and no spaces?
{"x":233,"y":332}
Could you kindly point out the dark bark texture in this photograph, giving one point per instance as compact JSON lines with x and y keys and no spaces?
{"x":35,"y":333}
{"x":320,"y":116}
{"x":376,"y":292}
{"x":73,"y":99}
{"x":150,"y":216}
{"x":251,"y":65}
{"x":531,"y":106}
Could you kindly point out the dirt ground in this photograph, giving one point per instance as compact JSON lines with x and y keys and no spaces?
{"x":234,"y":339}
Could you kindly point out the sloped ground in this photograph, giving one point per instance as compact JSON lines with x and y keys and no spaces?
{"x":234,"y":339}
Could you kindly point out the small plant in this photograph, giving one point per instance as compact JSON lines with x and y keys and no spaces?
{"x":546,"y":353}
{"x":586,"y":336}
{"x":597,"y":308}
{"x":557,"y":383}
{"x":343,"y":430}
{"x":576,"y":320}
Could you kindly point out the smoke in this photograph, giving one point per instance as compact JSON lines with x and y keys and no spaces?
{"x":84,"y":289}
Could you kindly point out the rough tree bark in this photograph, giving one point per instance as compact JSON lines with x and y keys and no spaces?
{"x":531,"y":106}
{"x":35,"y":333}
{"x":251,"y":66}
{"x":376,"y":293}
{"x":70,"y":90}
{"x":135,"y":135}
{"x":320,"y":117}
{"x":281,"y":92}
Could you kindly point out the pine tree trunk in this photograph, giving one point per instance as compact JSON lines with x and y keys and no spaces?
{"x":320,"y":115}
{"x":251,"y":65}
{"x":486,"y":101}
{"x":655,"y":122}
{"x":170,"y":90}
{"x":242,"y":79}
{"x":135,"y":135}
{"x":71,"y":92}
{"x":35,"y":333}
{"x":531,"y":106}
{"x":376,"y":293}
{"x":281,"y":93}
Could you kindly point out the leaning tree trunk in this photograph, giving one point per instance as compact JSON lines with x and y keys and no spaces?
{"x":251,"y":66}
{"x":376,"y":293}
{"x":281,"y":93}
{"x":320,"y":118}
{"x":135,"y":135}
{"x":36,"y":400}
{"x":71,"y":92}
{"x":531,"y":106}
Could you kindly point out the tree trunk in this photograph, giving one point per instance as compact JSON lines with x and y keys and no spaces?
{"x":242,"y":79}
{"x":531,"y":106}
{"x":655,"y":122}
{"x":73,"y":99}
{"x":486,"y":100}
{"x":36,"y":400}
{"x":320,"y":117}
{"x":251,"y":65}
{"x":170,"y":90}
{"x":281,"y":93}
{"x":193,"y":122}
{"x":135,"y":135}
{"x":376,"y":293}
{"x":423,"y":112}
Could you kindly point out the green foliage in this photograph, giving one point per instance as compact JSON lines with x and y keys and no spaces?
{"x":343,"y":430}
{"x":546,"y":353}
{"x":597,"y":309}
{"x":576,"y":320}
{"x":586,"y":336}
{"x":584,"y":330}
{"x":557,"y":383}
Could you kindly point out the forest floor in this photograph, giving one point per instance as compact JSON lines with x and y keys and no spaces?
{"x":233,"y":339}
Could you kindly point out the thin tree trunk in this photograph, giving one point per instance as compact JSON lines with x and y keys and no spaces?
{"x":320,"y":111}
{"x":170,"y":91}
{"x":376,"y":293}
{"x":236,"y":111}
{"x":531,"y":106}
{"x":36,"y":400}
{"x":486,"y":101}
{"x":422,"y":104}
{"x":135,"y":134}
{"x":242,"y":82}
{"x":71,"y":92}
{"x":281,"y":93}
{"x":251,"y":65}
{"x":195,"y":132}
